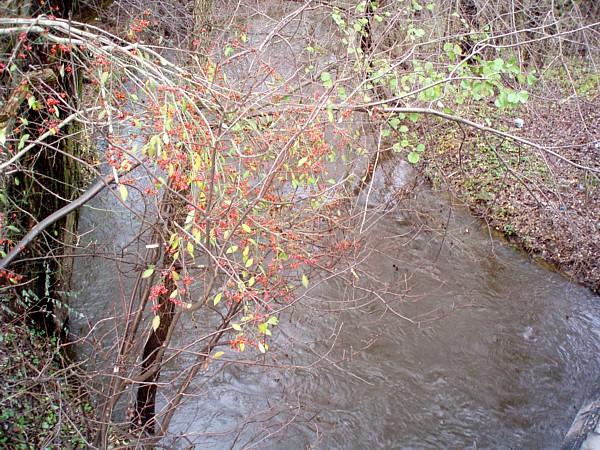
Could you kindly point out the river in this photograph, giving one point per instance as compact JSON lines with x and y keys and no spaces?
{"x":500,"y":352}
{"x":442,"y":336}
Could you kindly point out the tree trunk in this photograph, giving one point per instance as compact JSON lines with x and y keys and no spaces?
{"x":144,"y":417}
{"x":176,"y":212}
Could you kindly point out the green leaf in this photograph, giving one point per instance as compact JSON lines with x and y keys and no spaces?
{"x":228,"y":51}
{"x":413,"y":157}
{"x":232,"y":249}
{"x":523,"y":96}
{"x":236,"y":327}
{"x":22,"y":141}
{"x":326,"y":79}
{"x":104,"y":77}
{"x":155,"y":322}
{"x":249,"y":262}
{"x":272,"y":320}
{"x":304,"y":281}
{"x":148,"y":272}
{"x":301,"y":161}
{"x":218,"y":298}
{"x":246,"y":228}
{"x":420,"y":148}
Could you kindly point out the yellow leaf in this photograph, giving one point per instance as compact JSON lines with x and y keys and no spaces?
{"x":246,"y":228}
{"x":304,"y":281}
{"x":236,"y":327}
{"x":155,"y":322}
{"x":123,"y":192}
{"x":216,"y":355}
{"x":148,"y":272}
{"x":218,"y":298}
{"x":249,"y":262}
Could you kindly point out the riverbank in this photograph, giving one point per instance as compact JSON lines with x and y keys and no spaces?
{"x":547,"y":204}
{"x":44,"y":405}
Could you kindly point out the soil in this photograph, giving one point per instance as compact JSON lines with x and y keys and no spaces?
{"x":546,"y":204}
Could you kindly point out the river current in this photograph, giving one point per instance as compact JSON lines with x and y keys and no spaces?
{"x":446,"y":337}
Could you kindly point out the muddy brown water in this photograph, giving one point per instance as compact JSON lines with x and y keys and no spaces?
{"x":512,"y":353}
{"x":500,"y":352}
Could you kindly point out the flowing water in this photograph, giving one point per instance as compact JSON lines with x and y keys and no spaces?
{"x":441,"y":337}
{"x":499,"y":353}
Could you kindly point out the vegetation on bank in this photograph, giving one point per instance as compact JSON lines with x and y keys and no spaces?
{"x":43,"y":405}
{"x":540,"y":201}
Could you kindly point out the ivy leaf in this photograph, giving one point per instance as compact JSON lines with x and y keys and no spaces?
{"x":155,"y":322}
